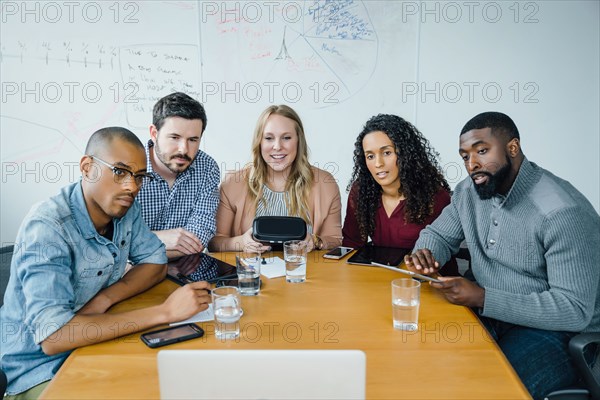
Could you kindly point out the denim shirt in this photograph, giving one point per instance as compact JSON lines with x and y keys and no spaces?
{"x":60,"y":262}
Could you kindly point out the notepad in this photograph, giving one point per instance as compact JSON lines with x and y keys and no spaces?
{"x":203,"y":316}
{"x":273,"y":268}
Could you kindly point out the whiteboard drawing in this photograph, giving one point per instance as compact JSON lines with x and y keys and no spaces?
{"x":149,"y":71}
{"x":320,"y":54}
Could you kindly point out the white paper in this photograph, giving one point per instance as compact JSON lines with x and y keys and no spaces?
{"x":202,"y":316}
{"x":274,"y":267}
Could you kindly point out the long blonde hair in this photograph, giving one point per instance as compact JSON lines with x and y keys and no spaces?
{"x":298,"y":183}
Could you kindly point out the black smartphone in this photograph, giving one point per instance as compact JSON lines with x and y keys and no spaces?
{"x":172,"y":335}
{"x":338,"y":252}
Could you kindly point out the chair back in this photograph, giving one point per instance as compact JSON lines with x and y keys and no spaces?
{"x":3,"y":383}
{"x":5,"y":259}
{"x":580,"y":348}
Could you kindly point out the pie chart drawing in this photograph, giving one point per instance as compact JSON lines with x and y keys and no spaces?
{"x":321,"y":54}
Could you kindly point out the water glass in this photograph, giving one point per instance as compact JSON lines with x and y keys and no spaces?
{"x":228,"y":310}
{"x":295,"y":255}
{"x":248,"y":272}
{"x":405,"y":303}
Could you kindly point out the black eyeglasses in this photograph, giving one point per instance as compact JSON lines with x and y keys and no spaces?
{"x":120,"y":174}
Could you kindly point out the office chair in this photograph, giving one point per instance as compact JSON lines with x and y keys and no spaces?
{"x":463,"y":259}
{"x":5,"y":259}
{"x":3,"y":383}
{"x":588,"y":369}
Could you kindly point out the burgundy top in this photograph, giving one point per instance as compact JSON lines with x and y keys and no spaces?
{"x":392,"y":231}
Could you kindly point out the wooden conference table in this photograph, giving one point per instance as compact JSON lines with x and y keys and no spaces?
{"x":340,"y":306}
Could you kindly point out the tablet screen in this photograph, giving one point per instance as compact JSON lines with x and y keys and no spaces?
{"x":199,"y":267}
{"x":383,"y":255}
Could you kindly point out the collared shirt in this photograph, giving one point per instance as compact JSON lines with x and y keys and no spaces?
{"x":534,"y":251}
{"x":190,"y":204}
{"x":60,"y":262}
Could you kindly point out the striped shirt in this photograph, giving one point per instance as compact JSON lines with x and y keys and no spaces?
{"x":190,"y":204}
{"x":275,"y":205}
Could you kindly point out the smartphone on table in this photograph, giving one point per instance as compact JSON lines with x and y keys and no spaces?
{"x":172,"y":335}
{"x":338,"y":252}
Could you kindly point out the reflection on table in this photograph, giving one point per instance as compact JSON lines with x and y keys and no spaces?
{"x":340,"y":306}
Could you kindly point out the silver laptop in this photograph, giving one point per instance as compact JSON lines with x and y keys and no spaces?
{"x":262,"y":374}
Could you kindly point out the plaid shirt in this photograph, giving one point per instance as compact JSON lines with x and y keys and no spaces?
{"x":190,"y":204}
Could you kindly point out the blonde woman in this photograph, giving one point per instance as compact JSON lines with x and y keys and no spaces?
{"x":281,"y":182}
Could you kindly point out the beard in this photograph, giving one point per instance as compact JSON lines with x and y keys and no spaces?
{"x":488,"y":189}
{"x":165,"y":159}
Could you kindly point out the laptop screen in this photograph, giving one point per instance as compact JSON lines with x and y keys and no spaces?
{"x":262,"y":374}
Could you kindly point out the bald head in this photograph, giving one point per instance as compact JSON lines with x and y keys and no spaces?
{"x":102,"y":139}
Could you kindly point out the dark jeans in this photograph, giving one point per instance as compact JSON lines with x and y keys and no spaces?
{"x":540,"y":358}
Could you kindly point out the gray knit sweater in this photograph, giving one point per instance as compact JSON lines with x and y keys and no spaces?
{"x":536,"y":252}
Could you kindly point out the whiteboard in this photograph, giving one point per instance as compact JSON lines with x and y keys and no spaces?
{"x":70,"y":68}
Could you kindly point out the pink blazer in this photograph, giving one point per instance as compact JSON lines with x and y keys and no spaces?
{"x":236,"y":212}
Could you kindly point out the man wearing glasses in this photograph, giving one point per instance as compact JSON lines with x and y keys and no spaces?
{"x":180,"y":204}
{"x":68,"y":264}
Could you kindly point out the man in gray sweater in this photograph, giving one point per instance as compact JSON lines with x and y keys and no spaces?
{"x":535,"y":253}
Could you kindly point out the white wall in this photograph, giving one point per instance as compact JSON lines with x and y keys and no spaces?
{"x":68,"y":69}
{"x":409,"y":58}
{"x":551,"y":55}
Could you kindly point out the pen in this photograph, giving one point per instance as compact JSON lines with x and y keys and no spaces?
{"x":187,"y":279}
{"x":184,"y":278}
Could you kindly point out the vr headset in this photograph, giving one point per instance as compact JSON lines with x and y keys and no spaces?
{"x":276,"y":230}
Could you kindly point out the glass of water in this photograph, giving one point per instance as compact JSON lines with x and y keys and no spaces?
{"x":228,"y":310}
{"x":405,"y":303}
{"x":295,"y":254}
{"x":248,"y":272}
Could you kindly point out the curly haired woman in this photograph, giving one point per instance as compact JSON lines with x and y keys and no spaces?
{"x":397,"y":187}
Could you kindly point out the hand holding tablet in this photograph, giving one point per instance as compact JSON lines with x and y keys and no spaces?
{"x":413,"y":274}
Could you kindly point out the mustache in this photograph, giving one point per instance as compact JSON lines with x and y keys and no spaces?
{"x":125,"y":195}
{"x":184,"y":156}
{"x":474,"y":174}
